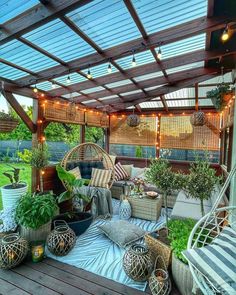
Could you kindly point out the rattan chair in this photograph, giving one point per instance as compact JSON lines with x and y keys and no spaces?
{"x":207,"y":229}
{"x":89,"y":152}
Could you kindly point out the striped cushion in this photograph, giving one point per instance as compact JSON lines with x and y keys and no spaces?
{"x":76,"y":172}
{"x":217,"y":262}
{"x":120,"y":172}
{"x":100,"y":178}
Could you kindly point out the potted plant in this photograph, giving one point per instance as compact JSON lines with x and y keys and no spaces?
{"x":7,"y":122}
{"x":78,"y":220}
{"x":220,"y":95}
{"x":34,"y":214}
{"x":11,"y":193}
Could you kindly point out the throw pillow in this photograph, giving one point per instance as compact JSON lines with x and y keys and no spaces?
{"x":128,"y":169}
{"x":122,"y":232}
{"x":217,"y":261}
{"x":138,"y":172}
{"x":113,"y":159}
{"x":76,"y":172}
{"x":100,"y":178}
{"x":87,"y":166}
{"x":120,"y":172}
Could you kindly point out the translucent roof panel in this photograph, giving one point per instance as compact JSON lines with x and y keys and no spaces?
{"x":140,"y":58}
{"x":74,"y":78}
{"x":181,"y":103}
{"x":100,"y":70}
{"x":151,"y":105}
{"x":94,"y":89}
{"x":119,"y":83}
{"x":46,"y":86}
{"x":182,"y":93}
{"x":106,"y":22}
{"x":202,"y":91}
{"x":185,"y":67}
{"x":183,"y":46}
{"x":148,"y":76}
{"x":89,"y":101}
{"x":162,"y":14}
{"x":131,"y":92}
{"x":26,"y":57}
{"x":71,"y":95}
{"x":58,"y":39}
{"x":205,"y":102}
{"x":109,"y":97}
{"x":11,"y":8}
{"x":10,"y":72}
{"x":218,"y":79}
{"x":153,"y":87}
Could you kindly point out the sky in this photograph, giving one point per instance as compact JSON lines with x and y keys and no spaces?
{"x":24,"y":101}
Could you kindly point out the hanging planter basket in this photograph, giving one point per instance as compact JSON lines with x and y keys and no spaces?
{"x":198,"y":118}
{"x":7,"y":123}
{"x":133,"y":120}
{"x":220,"y":96}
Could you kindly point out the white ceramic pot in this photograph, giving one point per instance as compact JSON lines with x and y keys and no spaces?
{"x":11,"y":196}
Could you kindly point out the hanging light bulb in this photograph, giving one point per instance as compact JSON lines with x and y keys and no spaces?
{"x":53,"y":85}
{"x":134,"y":60}
{"x":109,"y":69}
{"x":159,"y":53}
{"x":89,"y":75}
{"x":35,"y":89}
{"x":225,"y":35}
{"x":68,"y":81}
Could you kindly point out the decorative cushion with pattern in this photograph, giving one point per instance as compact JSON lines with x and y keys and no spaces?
{"x":120,"y":172}
{"x":85,"y":167}
{"x":76,"y":172}
{"x":100,"y":178}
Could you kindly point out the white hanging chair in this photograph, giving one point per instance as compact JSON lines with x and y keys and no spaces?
{"x":207,"y":229}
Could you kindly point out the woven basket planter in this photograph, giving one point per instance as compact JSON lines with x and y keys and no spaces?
{"x":13,"y":250}
{"x":34,"y":235}
{"x":8,"y":125}
{"x":198,"y":119}
{"x":133,"y":120}
{"x":137,"y":263}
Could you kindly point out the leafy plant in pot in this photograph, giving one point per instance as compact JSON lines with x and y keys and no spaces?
{"x":34,"y":214}
{"x":79,"y":221}
{"x":11,"y":193}
{"x":220,"y":95}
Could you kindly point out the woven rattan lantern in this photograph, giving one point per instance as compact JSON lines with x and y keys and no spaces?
{"x":137,"y":263}
{"x":133,"y":120}
{"x":62,"y":239}
{"x":198,"y":118}
{"x":13,"y":250}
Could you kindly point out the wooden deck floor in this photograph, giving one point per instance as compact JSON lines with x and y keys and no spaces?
{"x":51,"y":277}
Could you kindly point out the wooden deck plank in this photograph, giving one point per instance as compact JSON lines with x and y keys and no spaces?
{"x":7,"y":288}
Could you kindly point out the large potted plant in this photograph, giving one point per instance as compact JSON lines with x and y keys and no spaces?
{"x":77,"y":220}
{"x":11,"y":193}
{"x":34,"y":214}
{"x":220,"y":95}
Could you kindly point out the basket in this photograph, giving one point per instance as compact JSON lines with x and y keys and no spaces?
{"x":159,"y":248}
{"x":159,"y":281}
{"x":8,"y":125}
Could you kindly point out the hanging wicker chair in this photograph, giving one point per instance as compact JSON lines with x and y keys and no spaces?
{"x":207,"y":229}
{"x":89,"y":152}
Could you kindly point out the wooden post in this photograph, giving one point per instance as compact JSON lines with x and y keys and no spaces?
{"x":196,"y":97}
{"x":233,"y":161}
{"x":107,"y":137}
{"x":82,"y":133}
{"x":158,"y":137}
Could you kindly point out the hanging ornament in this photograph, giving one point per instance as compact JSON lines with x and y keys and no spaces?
{"x":198,"y":118}
{"x":133,"y":120}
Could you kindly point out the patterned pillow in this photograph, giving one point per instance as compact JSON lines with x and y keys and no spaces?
{"x":120,"y":172}
{"x":100,"y":178}
{"x":216,"y":262}
{"x":76,"y":172}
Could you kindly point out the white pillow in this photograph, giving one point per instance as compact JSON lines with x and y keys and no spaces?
{"x":137,"y":172}
{"x":128,"y":169}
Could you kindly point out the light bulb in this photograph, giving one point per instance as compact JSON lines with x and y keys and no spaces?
{"x":68,"y":80}
{"x":35,"y":89}
{"x":109,"y":69}
{"x":89,"y":76}
{"x":159,"y":53}
{"x":225,"y":35}
{"x":134,"y":61}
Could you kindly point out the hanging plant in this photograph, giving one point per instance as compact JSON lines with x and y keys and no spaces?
{"x":7,"y":122}
{"x":220,"y":96}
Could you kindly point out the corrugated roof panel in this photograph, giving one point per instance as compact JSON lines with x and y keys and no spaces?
{"x":11,"y":8}
{"x":141,"y":58}
{"x":58,"y":39}
{"x":94,"y":89}
{"x":181,"y":103}
{"x":181,"y":93}
{"x":185,"y":67}
{"x":108,"y":97}
{"x":74,"y":78}
{"x":202,"y":91}
{"x":131,"y":92}
{"x":151,"y":105}
{"x":89,"y":101}
{"x":11,"y":73}
{"x":71,"y":95}
{"x":205,"y":102}
{"x":119,"y":83}
{"x":218,"y":79}
{"x":153,"y":87}
{"x":148,"y":76}
{"x":107,"y":22}
{"x":46,"y":86}
{"x":24,"y":56}
{"x":100,"y":70}
{"x":157,"y":15}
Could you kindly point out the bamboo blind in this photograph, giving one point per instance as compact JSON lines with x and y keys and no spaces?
{"x":178,"y":133}
{"x":97,"y":119}
{"x":228,"y":116}
{"x":144,"y":134}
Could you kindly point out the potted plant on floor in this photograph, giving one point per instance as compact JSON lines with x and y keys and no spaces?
{"x":11,"y":193}
{"x":34,"y":214}
{"x":78,"y":220}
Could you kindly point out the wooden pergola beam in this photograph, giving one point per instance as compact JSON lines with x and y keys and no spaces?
{"x":163,"y":100}
{"x":20,"y":111}
{"x":185,"y":30}
{"x":37,"y":16}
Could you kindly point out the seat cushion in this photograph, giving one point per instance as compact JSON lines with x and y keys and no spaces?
{"x":86,"y":168}
{"x":76,"y":172}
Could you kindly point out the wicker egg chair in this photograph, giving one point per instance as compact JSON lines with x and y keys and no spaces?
{"x":89,"y":152}
{"x":207,"y":229}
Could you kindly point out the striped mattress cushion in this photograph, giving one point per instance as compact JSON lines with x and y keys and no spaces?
{"x":217,"y":262}
{"x":100,"y":178}
{"x":120,"y":172}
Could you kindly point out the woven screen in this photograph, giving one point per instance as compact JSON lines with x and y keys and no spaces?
{"x":63,"y":113}
{"x":178,"y":133}
{"x":97,"y":119}
{"x":144,"y":134}
{"x":228,"y":116}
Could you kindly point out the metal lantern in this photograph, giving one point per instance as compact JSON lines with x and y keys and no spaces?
{"x":133,"y":120}
{"x":13,"y":250}
{"x":62,"y":239}
{"x":125,"y":210}
{"x":198,"y":118}
{"x":137,"y":263}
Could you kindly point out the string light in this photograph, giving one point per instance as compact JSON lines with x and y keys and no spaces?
{"x":133,"y":61}
{"x":42,"y":94}
{"x":225,"y":35}
{"x":68,"y":81}
{"x":43,"y":138}
{"x":89,"y":75}
{"x":109,"y":68}
{"x":35,"y":89}
{"x":159,"y":53}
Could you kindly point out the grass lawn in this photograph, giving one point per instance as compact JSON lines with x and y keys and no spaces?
{"x":25,"y":175}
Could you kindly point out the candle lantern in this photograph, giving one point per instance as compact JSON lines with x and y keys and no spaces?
{"x":62,"y":239}
{"x":37,"y":251}
{"x":13,"y":250}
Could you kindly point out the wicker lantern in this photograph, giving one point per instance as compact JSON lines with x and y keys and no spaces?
{"x":137,"y":263}
{"x":198,"y":118}
{"x":13,"y":250}
{"x":133,"y":120}
{"x":125,"y":210}
{"x":62,"y":239}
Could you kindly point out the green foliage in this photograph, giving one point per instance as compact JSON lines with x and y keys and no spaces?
{"x":94,"y":134}
{"x":6,"y":117}
{"x":138,"y":152}
{"x":34,"y":211}
{"x":13,"y":175}
{"x":40,"y":156}
{"x":179,"y":231}
{"x":217,"y":95}
{"x":26,"y":156}
{"x":71,"y":184}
